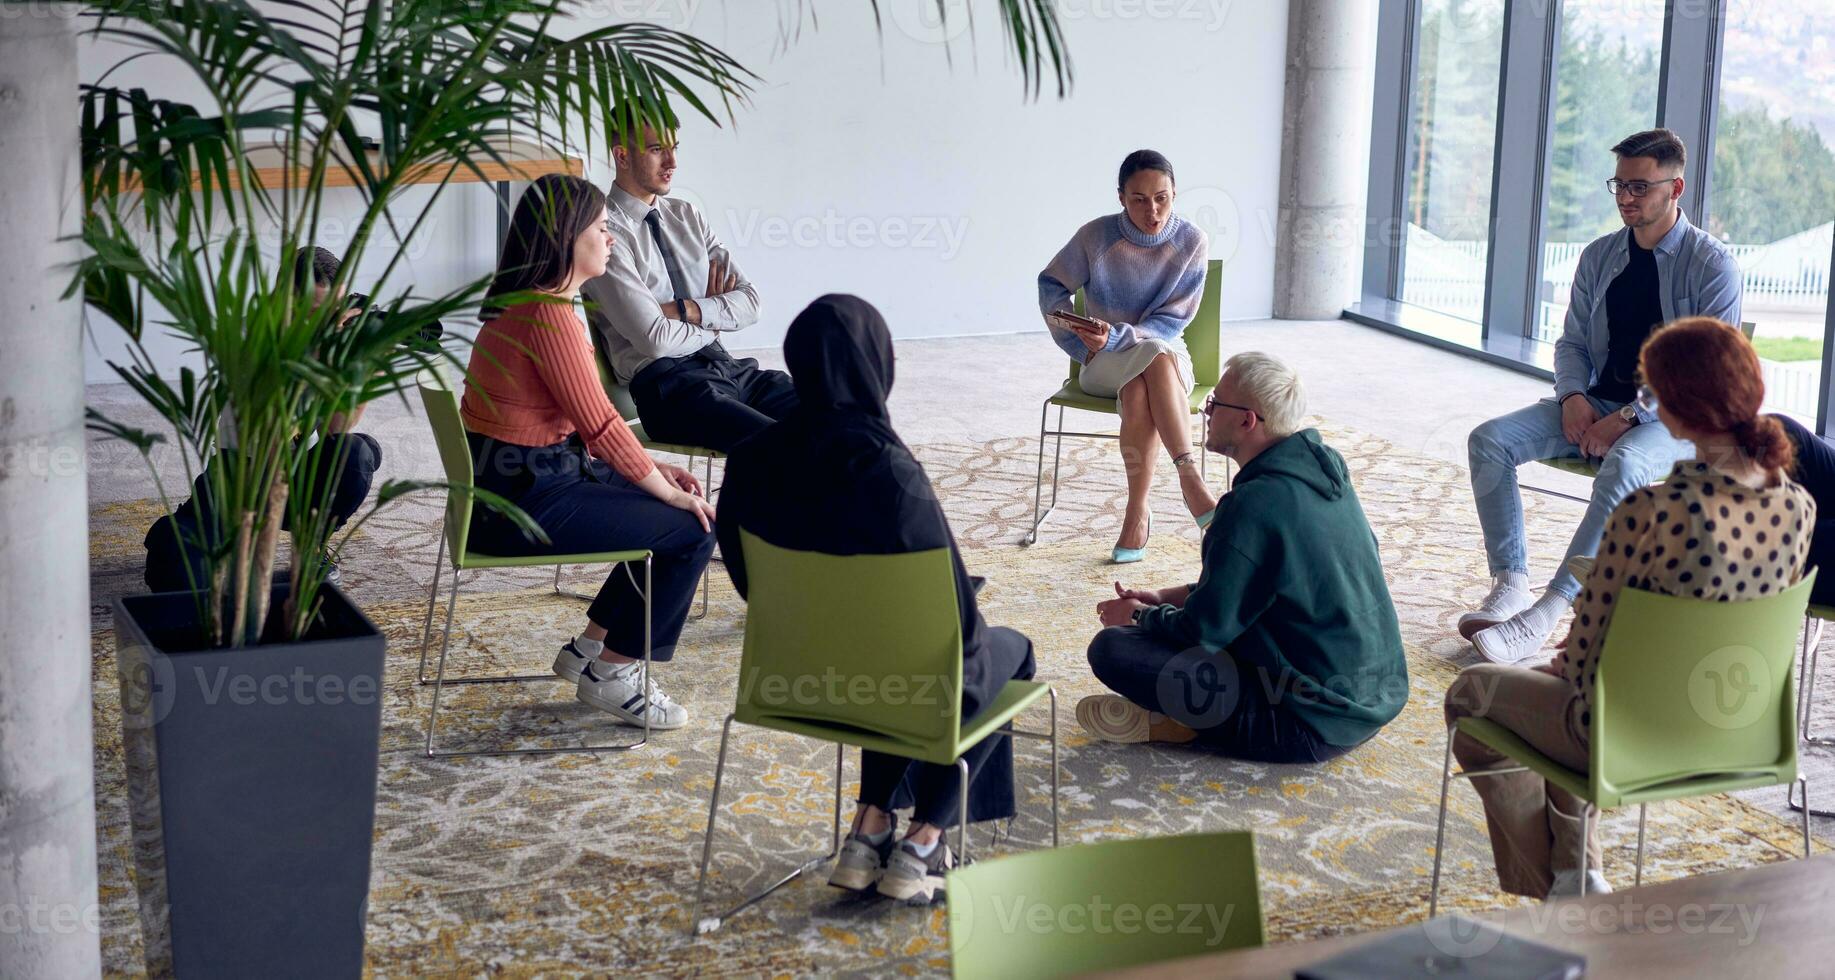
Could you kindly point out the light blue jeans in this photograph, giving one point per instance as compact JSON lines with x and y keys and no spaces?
{"x":1496,"y":448}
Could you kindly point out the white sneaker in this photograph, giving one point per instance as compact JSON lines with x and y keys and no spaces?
{"x":1567,"y":884}
{"x":1511,"y":642}
{"x":570,"y":662}
{"x":1504,"y":601}
{"x":615,"y":691}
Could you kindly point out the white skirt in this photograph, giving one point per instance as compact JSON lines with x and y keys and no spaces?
{"x":1107,"y":371}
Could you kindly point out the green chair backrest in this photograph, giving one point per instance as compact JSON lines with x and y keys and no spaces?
{"x":1203,"y":335}
{"x":442,"y":405}
{"x":1104,"y":906}
{"x":854,"y":643}
{"x":608,"y":378}
{"x":1695,"y":688}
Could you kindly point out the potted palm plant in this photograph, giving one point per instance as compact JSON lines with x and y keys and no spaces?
{"x":251,"y":702}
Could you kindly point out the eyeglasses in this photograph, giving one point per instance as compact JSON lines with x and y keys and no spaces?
{"x":1211,"y":404}
{"x":1646,"y":398}
{"x":1636,"y":188}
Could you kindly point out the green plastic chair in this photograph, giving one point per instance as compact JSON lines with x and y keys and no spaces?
{"x":888,"y":625}
{"x":1589,"y":468}
{"x":621,"y":399}
{"x":1107,"y":906}
{"x":1203,"y":339}
{"x":442,"y":405}
{"x":1663,"y":727}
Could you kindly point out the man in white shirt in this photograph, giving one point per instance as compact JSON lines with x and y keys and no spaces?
{"x":669,"y":291}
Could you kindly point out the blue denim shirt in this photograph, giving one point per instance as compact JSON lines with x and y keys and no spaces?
{"x":1696,"y":276}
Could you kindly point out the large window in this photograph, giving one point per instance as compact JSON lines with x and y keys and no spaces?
{"x":1452,"y":131}
{"x":1773,"y":186}
{"x":1491,"y":143}
{"x":1606,"y":78}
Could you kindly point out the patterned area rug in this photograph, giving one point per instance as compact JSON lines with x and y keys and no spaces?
{"x":575,"y":863}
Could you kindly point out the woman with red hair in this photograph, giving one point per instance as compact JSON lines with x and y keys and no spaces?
{"x":1727,"y":525}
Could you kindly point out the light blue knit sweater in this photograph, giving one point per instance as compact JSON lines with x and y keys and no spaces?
{"x":1144,"y":286}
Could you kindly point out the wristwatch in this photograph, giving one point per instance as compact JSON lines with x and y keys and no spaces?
{"x":1138,"y":613}
{"x":1629,"y":414}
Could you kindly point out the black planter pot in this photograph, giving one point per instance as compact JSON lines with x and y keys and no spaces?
{"x":251,"y":775}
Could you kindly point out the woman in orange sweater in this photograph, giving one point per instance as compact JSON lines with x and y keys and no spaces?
{"x":544,"y":435}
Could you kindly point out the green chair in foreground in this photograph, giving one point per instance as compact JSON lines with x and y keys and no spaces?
{"x":442,"y":405}
{"x":1104,"y":906}
{"x":884,"y":633}
{"x":1589,"y":468}
{"x":1693,"y":697}
{"x":1203,"y":339}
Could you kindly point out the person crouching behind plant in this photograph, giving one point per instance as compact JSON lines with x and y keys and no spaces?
{"x":1287,"y":648}
{"x":1727,"y":525}
{"x":345,"y":467}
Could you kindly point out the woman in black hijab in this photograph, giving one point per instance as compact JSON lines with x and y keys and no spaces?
{"x":833,"y":477}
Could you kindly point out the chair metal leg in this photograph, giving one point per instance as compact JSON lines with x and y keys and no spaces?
{"x":1204,"y":451}
{"x":707,"y":486}
{"x":1807,"y":663}
{"x":706,"y":924}
{"x":433,"y":595}
{"x":1805,"y":781}
{"x":1039,"y":511}
{"x":1446,"y":780}
{"x":1639,"y":880}
{"x":440,"y":681}
{"x":1586,"y":834}
{"x":1053,"y":692}
{"x":962,"y":857}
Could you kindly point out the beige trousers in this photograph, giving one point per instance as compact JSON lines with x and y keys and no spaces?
{"x":1535,"y":826}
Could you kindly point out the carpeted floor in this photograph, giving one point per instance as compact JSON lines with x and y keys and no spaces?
{"x":565,"y":864}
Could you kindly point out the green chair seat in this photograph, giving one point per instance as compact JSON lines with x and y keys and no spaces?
{"x":1574,"y":465}
{"x":1072,"y":395}
{"x":474,"y":560}
{"x":1016,"y":697}
{"x":637,"y":429}
{"x":1649,"y":791}
{"x":1112,"y":904}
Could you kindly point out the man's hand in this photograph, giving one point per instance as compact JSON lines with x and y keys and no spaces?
{"x":1599,"y":437}
{"x":680,"y":478}
{"x":720,"y":277}
{"x":1577,"y":416}
{"x":686,"y":310}
{"x":1118,"y":612}
{"x":1145,"y":596}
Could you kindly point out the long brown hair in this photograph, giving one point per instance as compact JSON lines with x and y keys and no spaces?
{"x":538,"y":252}
{"x":1706,"y":374}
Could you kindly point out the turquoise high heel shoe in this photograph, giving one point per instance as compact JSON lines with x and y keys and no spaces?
{"x":1204,"y":519}
{"x":1128,"y":556}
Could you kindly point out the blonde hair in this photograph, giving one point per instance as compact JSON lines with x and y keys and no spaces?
{"x":1272,"y":388}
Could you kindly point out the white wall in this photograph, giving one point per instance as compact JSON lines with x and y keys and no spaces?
{"x":867,"y":164}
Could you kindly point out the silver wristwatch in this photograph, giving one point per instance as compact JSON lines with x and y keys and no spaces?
{"x":1629,"y":414}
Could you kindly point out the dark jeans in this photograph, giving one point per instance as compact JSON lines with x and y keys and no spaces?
{"x":585,"y":507}
{"x":934,"y":792}
{"x":1815,"y":469}
{"x":1226,"y":701}
{"x":348,"y":486}
{"x":708,"y":399}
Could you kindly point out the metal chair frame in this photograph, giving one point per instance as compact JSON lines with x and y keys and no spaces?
{"x":1038,"y":487}
{"x":1813,"y":624}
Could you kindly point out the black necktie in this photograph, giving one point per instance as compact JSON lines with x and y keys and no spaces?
{"x":677,"y":280}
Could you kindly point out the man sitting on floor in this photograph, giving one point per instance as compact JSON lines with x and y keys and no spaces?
{"x":1287,"y":649}
{"x":669,"y":291}
{"x":1657,"y":269}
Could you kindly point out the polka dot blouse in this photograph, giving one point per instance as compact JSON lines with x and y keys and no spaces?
{"x":1699,"y":534}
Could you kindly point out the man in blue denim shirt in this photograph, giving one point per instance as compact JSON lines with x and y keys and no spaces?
{"x":1657,"y":269}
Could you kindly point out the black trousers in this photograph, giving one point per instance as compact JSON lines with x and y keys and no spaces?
{"x":1815,"y":469}
{"x":584,"y":506}
{"x":709,"y":399}
{"x":934,"y":792}
{"x":1227,"y":702}
{"x":348,"y":486}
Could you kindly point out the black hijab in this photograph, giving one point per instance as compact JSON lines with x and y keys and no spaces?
{"x":833,"y":476}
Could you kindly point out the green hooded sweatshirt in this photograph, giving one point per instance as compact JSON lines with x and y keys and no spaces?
{"x":1293,"y":587}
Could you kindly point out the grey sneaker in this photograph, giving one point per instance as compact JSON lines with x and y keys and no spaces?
{"x":916,"y":880}
{"x":615,"y":690}
{"x":861,"y":861}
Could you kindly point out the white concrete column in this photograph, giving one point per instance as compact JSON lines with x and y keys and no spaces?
{"x":48,"y":912}
{"x":1325,"y":152}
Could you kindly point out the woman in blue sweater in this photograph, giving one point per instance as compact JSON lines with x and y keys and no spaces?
{"x":1142,"y":274}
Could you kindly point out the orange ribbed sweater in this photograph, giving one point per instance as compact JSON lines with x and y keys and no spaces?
{"x":533,"y":382}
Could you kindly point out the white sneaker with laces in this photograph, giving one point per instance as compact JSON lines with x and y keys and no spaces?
{"x":1512,"y":641}
{"x":1567,"y":884}
{"x":570,"y":662}
{"x":1504,"y":601}
{"x":616,"y":692}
